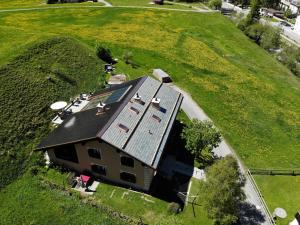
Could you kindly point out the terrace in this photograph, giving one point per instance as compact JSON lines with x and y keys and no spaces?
{"x":84,"y":102}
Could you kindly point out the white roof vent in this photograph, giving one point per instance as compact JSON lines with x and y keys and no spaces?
{"x":137,"y":97}
{"x":155,"y":102}
{"x":101,"y":107}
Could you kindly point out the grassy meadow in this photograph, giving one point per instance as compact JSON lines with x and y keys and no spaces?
{"x":21,"y":3}
{"x":148,"y":3}
{"x":250,"y":96}
{"x":152,"y":210}
{"x":29,"y":201}
{"x":15,"y":4}
{"x":282,"y":192}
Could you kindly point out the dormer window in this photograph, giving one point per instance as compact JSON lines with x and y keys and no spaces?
{"x":156,"y":118}
{"x":123,"y":127}
{"x":135,"y":110}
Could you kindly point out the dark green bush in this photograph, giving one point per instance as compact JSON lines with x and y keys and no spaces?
{"x":174,"y":208}
{"x":104,"y":53}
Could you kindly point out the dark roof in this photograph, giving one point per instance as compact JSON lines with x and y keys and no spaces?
{"x":86,"y":125}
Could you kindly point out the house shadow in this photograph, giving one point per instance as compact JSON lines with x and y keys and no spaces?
{"x":170,"y":190}
{"x":250,"y":215}
{"x":176,"y":145}
{"x":173,"y":188}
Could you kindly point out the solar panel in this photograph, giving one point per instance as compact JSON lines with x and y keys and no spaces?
{"x":117,"y":95}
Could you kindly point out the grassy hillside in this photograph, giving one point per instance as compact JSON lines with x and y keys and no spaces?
{"x":15,"y":4}
{"x":21,"y":3}
{"x":52,"y":70}
{"x":29,"y":201}
{"x":252,"y":98}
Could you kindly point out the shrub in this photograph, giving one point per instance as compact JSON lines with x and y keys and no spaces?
{"x":174,"y":208}
{"x":270,"y":38}
{"x":288,"y":13}
{"x":127,"y":57}
{"x":290,"y":56}
{"x":52,"y":1}
{"x":104,"y":54}
{"x":215,"y":4}
{"x":255,"y":32}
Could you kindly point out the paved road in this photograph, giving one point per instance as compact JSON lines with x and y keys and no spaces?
{"x":287,"y":32}
{"x":191,"y":108}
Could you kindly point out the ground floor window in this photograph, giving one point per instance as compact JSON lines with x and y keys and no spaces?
{"x":98,"y":169}
{"x":128,"y":177}
{"x":66,"y":152}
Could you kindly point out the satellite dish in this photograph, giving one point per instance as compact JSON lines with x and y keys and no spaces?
{"x":280,"y":212}
{"x":57,"y":106}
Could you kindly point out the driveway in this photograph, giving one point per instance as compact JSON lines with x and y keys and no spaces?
{"x":253,"y":210}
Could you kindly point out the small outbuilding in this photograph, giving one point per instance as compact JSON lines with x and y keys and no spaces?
{"x":162,"y":76}
{"x":117,"y":79}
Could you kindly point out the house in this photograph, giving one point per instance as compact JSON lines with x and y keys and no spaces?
{"x":119,"y":134}
{"x":293,"y":5}
{"x":271,"y":12}
{"x":162,"y":76}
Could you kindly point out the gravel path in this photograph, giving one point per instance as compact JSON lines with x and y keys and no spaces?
{"x":106,"y":4}
{"x":253,"y":210}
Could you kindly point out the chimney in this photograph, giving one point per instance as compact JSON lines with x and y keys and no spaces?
{"x":137,"y":97}
{"x":101,"y":107}
{"x":155,"y":102}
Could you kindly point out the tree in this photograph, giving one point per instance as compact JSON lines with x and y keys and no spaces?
{"x":254,"y":14}
{"x":201,"y":137}
{"x":223,"y":191}
{"x":290,"y":56}
{"x":270,"y":38}
{"x":288,"y":13}
{"x":215,"y":4}
{"x":255,"y":32}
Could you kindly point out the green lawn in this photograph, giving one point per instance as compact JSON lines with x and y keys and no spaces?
{"x":250,"y":96}
{"x":151,"y":210}
{"x":280,"y":191}
{"x":27,"y":201}
{"x":14,"y":4}
{"x":146,"y":3}
{"x":21,"y":3}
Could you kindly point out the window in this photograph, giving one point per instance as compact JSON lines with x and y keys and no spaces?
{"x":128,"y":177}
{"x":66,"y":152}
{"x":94,"y":153}
{"x":134,"y":110}
{"x":155,"y":117}
{"x":98,"y":169}
{"x":127,"y":161}
{"x":123,"y":127}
